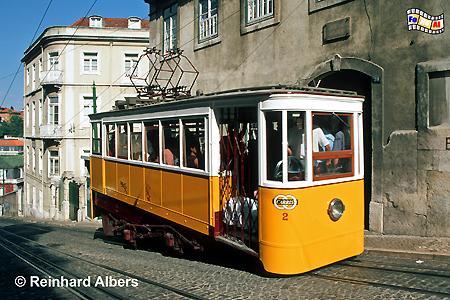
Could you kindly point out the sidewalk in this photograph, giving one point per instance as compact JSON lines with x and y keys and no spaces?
{"x":436,"y":246}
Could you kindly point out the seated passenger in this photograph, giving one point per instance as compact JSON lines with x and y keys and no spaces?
{"x":192,"y":159}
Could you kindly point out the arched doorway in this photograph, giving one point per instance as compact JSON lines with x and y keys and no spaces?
{"x":360,"y":83}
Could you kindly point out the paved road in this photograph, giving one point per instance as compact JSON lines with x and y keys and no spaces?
{"x":80,"y":251}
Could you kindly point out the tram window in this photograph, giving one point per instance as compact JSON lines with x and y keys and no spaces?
{"x":296,"y":146}
{"x":111,"y":146}
{"x":136,"y":141}
{"x":96,"y":138}
{"x":152,"y":142}
{"x":122,"y":143}
{"x":171,"y":143}
{"x":194,"y":144}
{"x":273,"y":146}
{"x":332,"y":145}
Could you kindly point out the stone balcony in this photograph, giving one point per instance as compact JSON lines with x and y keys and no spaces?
{"x":51,"y":77}
{"x":51,"y":131}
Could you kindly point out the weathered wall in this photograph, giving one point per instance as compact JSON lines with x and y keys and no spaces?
{"x":410,"y":190}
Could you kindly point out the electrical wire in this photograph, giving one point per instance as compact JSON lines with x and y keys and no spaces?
{"x":20,"y":64}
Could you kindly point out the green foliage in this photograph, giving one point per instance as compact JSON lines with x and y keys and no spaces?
{"x":12,"y":128}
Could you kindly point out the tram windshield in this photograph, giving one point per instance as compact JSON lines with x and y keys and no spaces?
{"x":314,"y":145}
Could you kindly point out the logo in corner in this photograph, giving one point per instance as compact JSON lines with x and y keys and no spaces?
{"x":287,"y":202}
{"x":421,"y":21}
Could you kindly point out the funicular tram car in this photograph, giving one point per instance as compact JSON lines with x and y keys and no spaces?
{"x":274,"y":172}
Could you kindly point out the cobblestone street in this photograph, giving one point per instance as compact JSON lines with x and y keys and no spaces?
{"x":80,"y":251}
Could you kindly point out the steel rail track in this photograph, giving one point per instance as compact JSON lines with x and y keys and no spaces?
{"x":396,"y":268}
{"x":115,"y":270}
{"x":77,"y":291}
{"x":359,"y":281}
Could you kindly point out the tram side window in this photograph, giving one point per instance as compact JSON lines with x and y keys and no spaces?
{"x":136,"y":141}
{"x":332,"y":145}
{"x":111,"y":146}
{"x":122,"y":143}
{"x":296,"y":146}
{"x":171,"y":142}
{"x":273,"y":146}
{"x":96,"y":138}
{"x":152,"y":142}
{"x":194,"y":144}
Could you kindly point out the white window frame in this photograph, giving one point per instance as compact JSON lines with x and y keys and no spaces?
{"x":264,"y":9}
{"x":90,"y":57}
{"x":84,"y":119}
{"x":33,"y":159}
{"x":33,"y":77}
{"x":96,"y":22}
{"x":53,"y":61}
{"x":27,"y":115}
{"x":133,"y":58}
{"x":50,"y":119}
{"x":28,"y":76}
{"x":52,"y":162}
{"x":170,"y":27}
{"x":40,"y":161}
{"x":40,"y":113}
{"x":33,"y":118}
{"x":134,"y":23}
{"x":208,"y":20}
{"x":27,"y":157}
{"x":40,"y":67}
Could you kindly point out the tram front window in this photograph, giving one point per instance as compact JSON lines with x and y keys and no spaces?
{"x":296,"y":146}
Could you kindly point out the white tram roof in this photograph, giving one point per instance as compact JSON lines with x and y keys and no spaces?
{"x":233,"y":98}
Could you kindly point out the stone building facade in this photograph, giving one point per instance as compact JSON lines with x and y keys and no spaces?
{"x":364,"y":46}
{"x":60,"y":69}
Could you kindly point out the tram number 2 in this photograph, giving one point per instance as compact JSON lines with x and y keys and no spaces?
{"x":285,"y":216}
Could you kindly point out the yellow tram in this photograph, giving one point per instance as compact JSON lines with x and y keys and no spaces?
{"x":275,"y":172}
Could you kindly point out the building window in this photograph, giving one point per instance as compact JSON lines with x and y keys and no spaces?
{"x":27,"y":157}
{"x":90,"y":62}
{"x":134,"y":23}
{"x":53,"y":110}
{"x":33,"y":77}
{"x":131,"y":61}
{"x":95,"y":22}
{"x":40,"y":113}
{"x":33,"y":159}
{"x":28,"y":76}
{"x":87,"y":109}
{"x":33,"y":118}
{"x":27,"y":117}
{"x":40,"y":162}
{"x":40,"y":66}
{"x":53,"y":163}
{"x":53,"y":60}
{"x":208,"y":18}
{"x":315,"y":5}
{"x":170,"y":28}
{"x":259,"y":9}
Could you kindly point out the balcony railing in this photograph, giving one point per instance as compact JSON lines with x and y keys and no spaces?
{"x":51,"y":131}
{"x":51,"y":77}
{"x":208,"y":27}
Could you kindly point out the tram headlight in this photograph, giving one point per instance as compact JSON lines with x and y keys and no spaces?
{"x":335,"y":209}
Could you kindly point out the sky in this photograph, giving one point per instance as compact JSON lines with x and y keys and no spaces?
{"x":21,"y":19}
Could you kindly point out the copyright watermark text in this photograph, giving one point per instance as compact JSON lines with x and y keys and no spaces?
{"x":61,"y":281}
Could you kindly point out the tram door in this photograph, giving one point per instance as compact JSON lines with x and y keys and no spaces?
{"x":238,"y":127}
